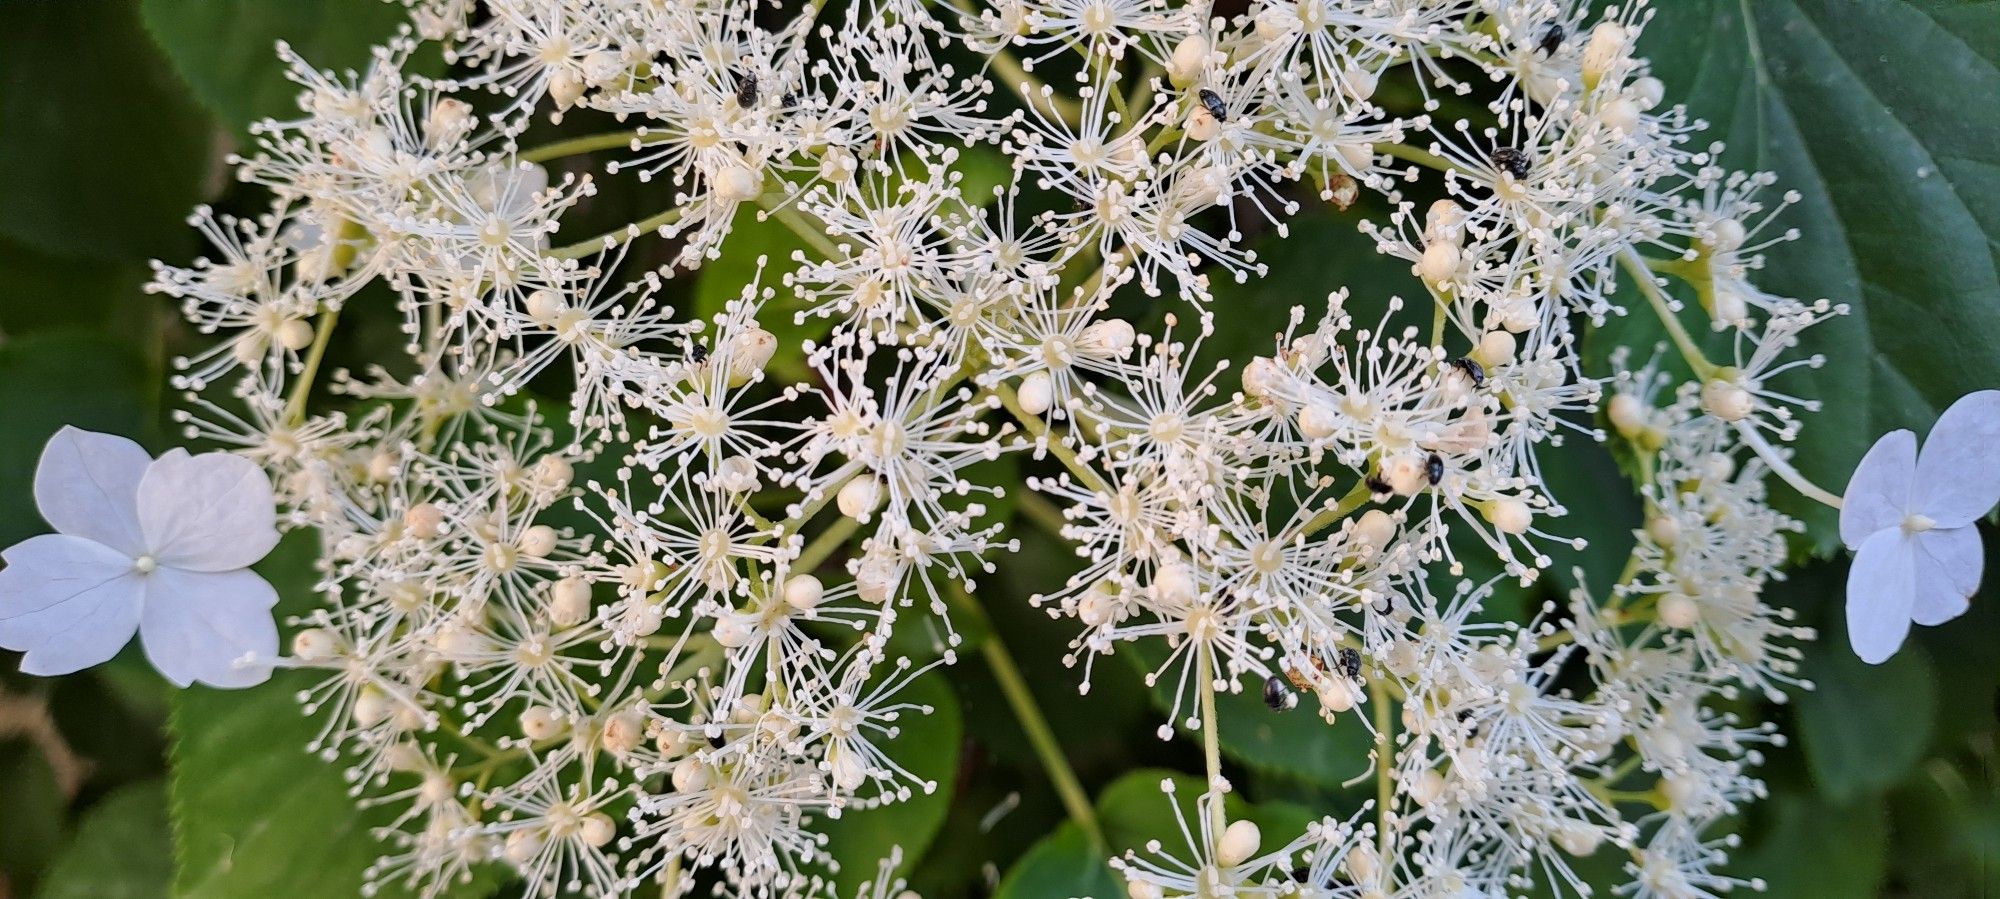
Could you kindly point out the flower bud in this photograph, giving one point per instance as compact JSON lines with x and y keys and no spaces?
{"x":1202,"y":125}
{"x":859,"y":497}
{"x":1318,"y":421}
{"x":737,"y":183}
{"x":1174,"y":583}
{"x":735,"y":630}
{"x":538,"y":541}
{"x":1260,"y":377}
{"x":1037,"y":393}
{"x":569,"y":601}
{"x":1679,"y":610}
{"x":423,"y":521}
{"x":1628,"y":415}
{"x":597,"y":830}
{"x":449,"y":122}
{"x":1111,"y":338}
{"x":691,"y":775}
{"x":553,"y":473}
{"x":1336,"y":694}
{"x":522,"y":847}
{"x":314,"y":644}
{"x":1187,"y":61}
{"x":565,"y":88}
{"x":737,"y":474}
{"x":1373,"y":531}
{"x":540,"y":723}
{"x":750,"y":352}
{"x":294,"y":334}
{"x":1496,"y":348}
{"x":1440,"y":263}
{"x":1509,"y":516}
{"x":1727,"y":401}
{"x":624,"y":731}
{"x":1605,"y":50}
{"x":803,"y":592}
{"x":1238,"y":844}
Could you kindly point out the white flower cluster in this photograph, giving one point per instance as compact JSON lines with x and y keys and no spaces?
{"x":673,"y":674}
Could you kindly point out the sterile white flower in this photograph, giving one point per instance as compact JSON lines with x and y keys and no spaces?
{"x":1909,"y":518}
{"x":158,"y":546}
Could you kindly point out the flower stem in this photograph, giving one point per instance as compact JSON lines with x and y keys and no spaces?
{"x":585,"y":144}
{"x":1783,"y":468}
{"x":617,"y":235}
{"x":1033,"y":722}
{"x":1635,"y":265}
{"x":295,"y":404}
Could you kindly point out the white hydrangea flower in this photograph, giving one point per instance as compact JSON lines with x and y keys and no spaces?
{"x":158,"y":546}
{"x":1909,"y":519}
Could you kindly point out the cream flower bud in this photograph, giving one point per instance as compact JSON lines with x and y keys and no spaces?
{"x":539,"y":722}
{"x":1336,"y":694}
{"x":1359,"y":156}
{"x":1628,"y":415}
{"x":737,"y":474}
{"x":1111,"y":338}
{"x":382,"y":466}
{"x":314,"y":644}
{"x":735,"y":630}
{"x":1202,"y":125}
{"x":423,"y":521}
{"x":1037,"y":393}
{"x":597,"y":830}
{"x":1361,"y":862}
{"x":544,"y":306}
{"x":691,"y":775}
{"x":737,"y":183}
{"x":1496,"y":348}
{"x":1318,"y":421}
{"x":1373,"y":531}
{"x":1620,"y":115}
{"x":750,"y":352}
{"x":1440,"y":263}
{"x":1427,"y":788}
{"x":522,"y":846}
{"x":1605,"y":50}
{"x":848,"y":771}
{"x":1174,"y":582}
{"x":1664,"y":530}
{"x":803,"y":592}
{"x":554,"y":473}
{"x":1509,"y":516}
{"x":624,"y":732}
{"x":569,"y":601}
{"x":1238,"y":844}
{"x":1579,"y":840}
{"x":1187,"y":61}
{"x":565,"y":88}
{"x":1647,"y":92}
{"x":448,"y":123}
{"x":1726,"y":400}
{"x":1405,"y":474}
{"x":837,"y":166}
{"x":1142,"y":889}
{"x":1444,"y":222}
{"x":860,"y":497}
{"x":538,"y":541}
{"x":294,"y":334}
{"x":1679,"y":610}
{"x":1260,"y":377}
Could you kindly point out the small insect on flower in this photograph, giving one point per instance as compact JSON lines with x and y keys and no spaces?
{"x":697,"y":353}
{"x":1350,"y":663}
{"x":746,"y":90}
{"x":1212,"y":102}
{"x":1472,"y":370}
{"x":1434,"y":469}
{"x":1378,"y":486}
{"x":1512,"y":161}
{"x":1278,"y":696}
{"x":1552,"y":39}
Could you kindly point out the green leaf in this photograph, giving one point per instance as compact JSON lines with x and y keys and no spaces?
{"x":1134,"y":810}
{"x":104,"y":152}
{"x":1863,"y":727}
{"x":928,"y":746}
{"x":226,"y":50}
{"x":770,"y":244}
{"x":253,"y":811}
{"x":31,"y":828}
{"x":121,"y":850}
{"x":1811,"y":850}
{"x":55,"y":379}
{"x":1296,"y":743}
{"x":1881,"y":114}
{"x":45,"y":292}
{"x":1061,"y":866}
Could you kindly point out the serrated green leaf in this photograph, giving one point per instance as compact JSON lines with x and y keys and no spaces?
{"x":121,"y":850}
{"x":226,"y":50}
{"x":252,"y":809}
{"x":928,"y":746}
{"x":104,"y":151}
{"x":1061,"y":866}
{"x":1881,"y":114}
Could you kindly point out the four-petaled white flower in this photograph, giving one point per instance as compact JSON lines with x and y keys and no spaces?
{"x":160,"y":546}
{"x":1909,"y":518}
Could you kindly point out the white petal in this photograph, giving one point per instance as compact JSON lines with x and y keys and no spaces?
{"x":1957,"y":480}
{"x":212,"y":512}
{"x":87,"y":485}
{"x":1880,"y":592}
{"x":1878,"y":494}
{"x":1948,"y":568}
{"x":69,"y":603}
{"x":198,"y":624}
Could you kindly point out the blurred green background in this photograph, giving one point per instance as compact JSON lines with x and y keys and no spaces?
{"x":115,"y":118}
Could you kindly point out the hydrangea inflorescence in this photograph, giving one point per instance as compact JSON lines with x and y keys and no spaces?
{"x":669,"y":672}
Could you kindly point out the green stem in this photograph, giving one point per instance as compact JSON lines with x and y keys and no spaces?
{"x":295,"y":403}
{"x":617,"y":235}
{"x":1385,"y":785}
{"x":1635,"y":265}
{"x":588,"y":143}
{"x":1033,"y":722}
{"x":832,"y":538}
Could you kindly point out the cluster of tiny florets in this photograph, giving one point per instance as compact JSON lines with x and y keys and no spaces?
{"x":636,"y":635}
